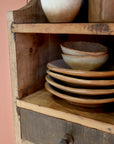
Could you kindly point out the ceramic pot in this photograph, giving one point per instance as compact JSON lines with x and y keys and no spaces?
{"x":61,"y":10}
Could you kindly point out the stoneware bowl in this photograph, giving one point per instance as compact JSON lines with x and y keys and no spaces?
{"x":83,"y":48}
{"x":85,"y":62}
{"x":61,"y":10}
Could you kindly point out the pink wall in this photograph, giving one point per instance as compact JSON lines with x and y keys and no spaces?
{"x":6,"y":117}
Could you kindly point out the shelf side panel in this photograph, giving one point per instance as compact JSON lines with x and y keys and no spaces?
{"x":31,"y":13}
{"x":13,"y":72}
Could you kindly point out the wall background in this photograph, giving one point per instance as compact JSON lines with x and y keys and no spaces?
{"x":6,"y":116}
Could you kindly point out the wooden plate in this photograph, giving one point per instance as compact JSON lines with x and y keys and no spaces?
{"x":61,"y":67}
{"x":59,"y":94}
{"x":81,"y":82}
{"x":92,"y":92}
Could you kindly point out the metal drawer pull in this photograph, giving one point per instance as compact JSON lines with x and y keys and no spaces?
{"x":68,"y":139}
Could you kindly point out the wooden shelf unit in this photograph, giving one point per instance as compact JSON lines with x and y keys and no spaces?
{"x":33,"y":43}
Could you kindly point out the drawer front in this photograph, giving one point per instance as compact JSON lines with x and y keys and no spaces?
{"x":84,"y":135}
{"x":42,"y":129}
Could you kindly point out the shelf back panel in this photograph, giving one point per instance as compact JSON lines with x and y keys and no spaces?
{"x":33,"y":52}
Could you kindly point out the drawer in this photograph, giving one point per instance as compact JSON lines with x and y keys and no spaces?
{"x":43,"y":129}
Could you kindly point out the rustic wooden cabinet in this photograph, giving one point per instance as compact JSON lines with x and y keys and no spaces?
{"x":39,"y":117}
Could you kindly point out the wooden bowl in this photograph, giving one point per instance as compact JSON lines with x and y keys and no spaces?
{"x":71,"y":98}
{"x":81,"y":91}
{"x":89,"y":62}
{"x":60,"y":66}
{"x":61,"y":10}
{"x":83,"y":48}
{"x":81,"y":82}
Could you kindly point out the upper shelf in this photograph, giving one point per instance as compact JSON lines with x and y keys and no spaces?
{"x":66,"y":28}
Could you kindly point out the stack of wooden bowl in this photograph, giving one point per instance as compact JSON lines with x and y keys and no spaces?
{"x":70,"y":78}
{"x":84,"y":55}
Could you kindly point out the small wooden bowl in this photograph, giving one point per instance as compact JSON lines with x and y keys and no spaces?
{"x":89,"y":62}
{"x":83,"y":48}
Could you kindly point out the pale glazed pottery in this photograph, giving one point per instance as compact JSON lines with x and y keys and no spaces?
{"x":76,"y":99}
{"x":61,"y":67}
{"x":61,"y":10}
{"x":74,"y":81}
{"x":89,"y":62}
{"x":81,"y":91}
{"x":83,"y":48}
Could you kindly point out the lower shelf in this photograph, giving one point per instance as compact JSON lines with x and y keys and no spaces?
{"x":45,"y":103}
{"x":42,"y":129}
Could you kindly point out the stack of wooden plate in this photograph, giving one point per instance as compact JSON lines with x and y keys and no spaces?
{"x":85,"y":88}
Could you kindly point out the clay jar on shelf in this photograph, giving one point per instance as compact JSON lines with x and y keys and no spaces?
{"x":61,"y":10}
{"x":101,"y":10}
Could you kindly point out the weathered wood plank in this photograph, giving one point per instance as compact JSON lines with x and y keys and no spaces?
{"x":69,"y":28}
{"x":14,"y":81}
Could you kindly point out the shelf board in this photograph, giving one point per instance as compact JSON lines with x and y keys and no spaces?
{"x":66,"y":28}
{"x":45,"y":103}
